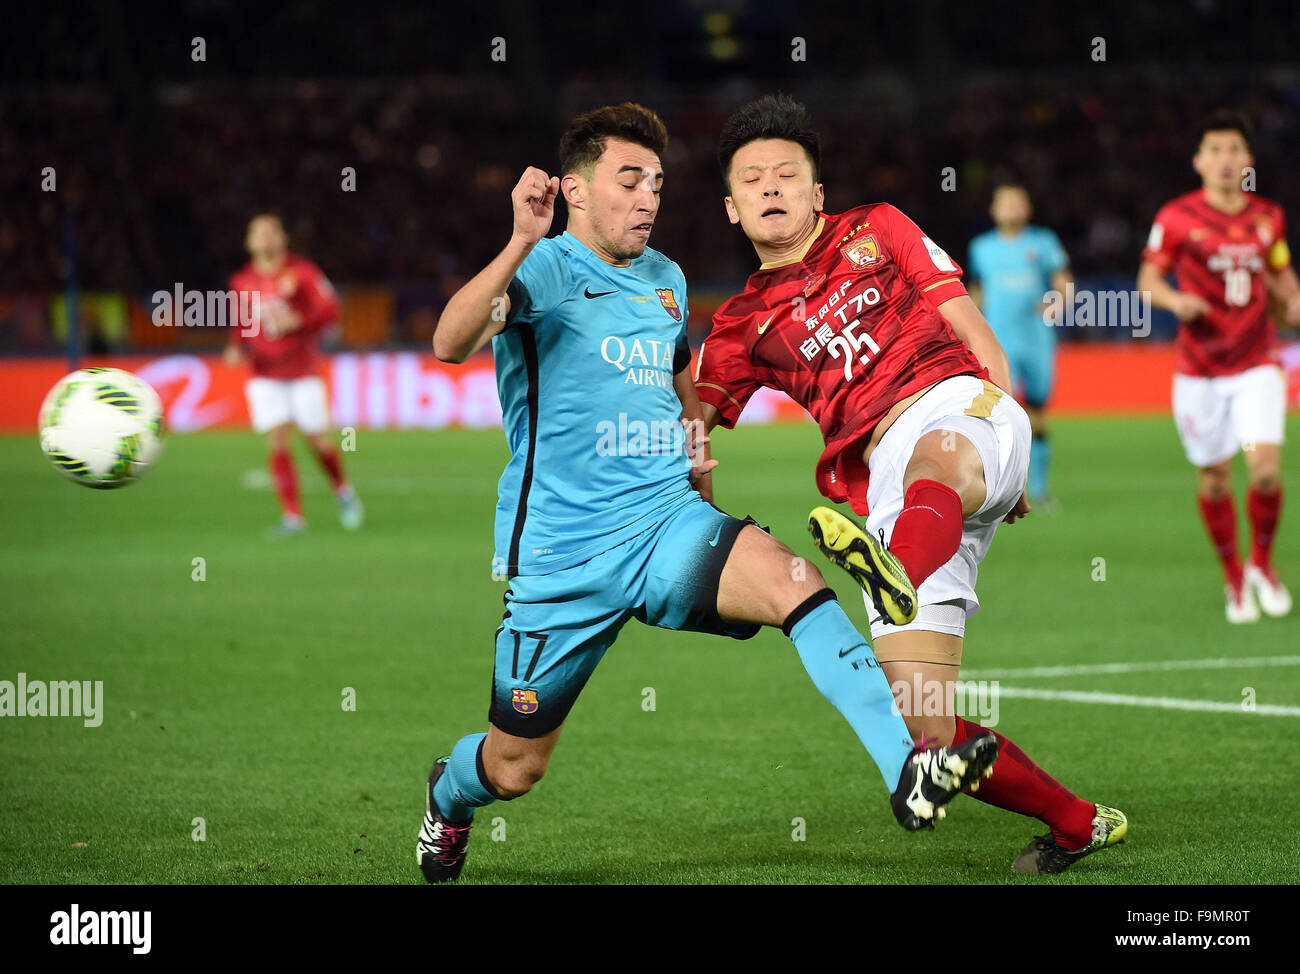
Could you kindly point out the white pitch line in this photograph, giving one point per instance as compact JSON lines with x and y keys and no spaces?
{"x":1161,"y":703}
{"x":1091,"y":669}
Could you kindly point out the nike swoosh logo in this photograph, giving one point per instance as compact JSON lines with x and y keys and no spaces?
{"x":763,"y":327}
{"x":586,"y":293}
{"x":714,"y":542}
{"x":852,"y":649}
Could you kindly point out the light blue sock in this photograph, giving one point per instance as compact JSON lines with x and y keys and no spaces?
{"x":844,"y":669}
{"x":1039,"y":453}
{"x":462,"y":788}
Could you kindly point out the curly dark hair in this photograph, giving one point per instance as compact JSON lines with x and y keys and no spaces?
{"x":583,"y":141}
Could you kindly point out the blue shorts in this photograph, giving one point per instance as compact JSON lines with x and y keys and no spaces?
{"x":558,"y":626}
{"x":1032,"y":371}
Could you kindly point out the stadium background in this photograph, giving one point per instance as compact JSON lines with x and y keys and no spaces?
{"x":222,"y":690}
{"x":160,"y":160}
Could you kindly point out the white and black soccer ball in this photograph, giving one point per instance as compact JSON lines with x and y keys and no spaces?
{"x":102,"y":427}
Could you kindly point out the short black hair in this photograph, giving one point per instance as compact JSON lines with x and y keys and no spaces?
{"x":771,"y":117}
{"x":1225,"y":120}
{"x":583,"y":141}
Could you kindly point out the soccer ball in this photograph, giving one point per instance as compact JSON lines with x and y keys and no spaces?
{"x":101,"y":427}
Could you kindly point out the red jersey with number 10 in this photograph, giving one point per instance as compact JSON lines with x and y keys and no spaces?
{"x":1221,"y":257}
{"x":847,"y":331}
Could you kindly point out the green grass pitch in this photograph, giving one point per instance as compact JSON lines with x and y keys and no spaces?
{"x":223,"y":698}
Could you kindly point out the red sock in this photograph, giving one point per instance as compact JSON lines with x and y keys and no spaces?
{"x":286,"y":481}
{"x":333,"y":464}
{"x":1019,"y":785}
{"x":928,"y":529}
{"x":1220,"y":518}
{"x":1264,"y":511}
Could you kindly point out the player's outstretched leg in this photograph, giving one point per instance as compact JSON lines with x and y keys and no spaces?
{"x":481,"y":769}
{"x":757,"y":585}
{"x":457,"y":785}
{"x":443,"y":842}
{"x":1077,"y":828}
{"x":868,"y":561}
{"x":923,"y":667}
{"x":844,"y":669}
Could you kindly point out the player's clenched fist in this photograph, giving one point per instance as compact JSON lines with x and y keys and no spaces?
{"x":534,"y":202}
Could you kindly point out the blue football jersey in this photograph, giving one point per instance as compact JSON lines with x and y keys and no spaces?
{"x":585,"y":369}
{"x":1014,"y":273}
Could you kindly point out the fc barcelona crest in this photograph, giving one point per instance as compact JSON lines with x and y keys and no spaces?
{"x":862,"y":252}
{"x":669,"y":302}
{"x":524,"y":701}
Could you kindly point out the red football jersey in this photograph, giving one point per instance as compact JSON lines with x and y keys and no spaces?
{"x":1221,"y":257}
{"x":302,"y":286}
{"x":847,"y":331}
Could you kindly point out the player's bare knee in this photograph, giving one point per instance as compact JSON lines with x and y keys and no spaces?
{"x":805,"y":577}
{"x":794,"y":578}
{"x":925,"y":468}
{"x":1263,"y":466}
{"x":1266,"y":481}
{"x":511,"y":779}
{"x":952,"y":460}
{"x":815,"y":581}
{"x":1215,"y":482}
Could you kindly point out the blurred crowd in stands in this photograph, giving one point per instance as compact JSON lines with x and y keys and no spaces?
{"x":158,"y":169}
